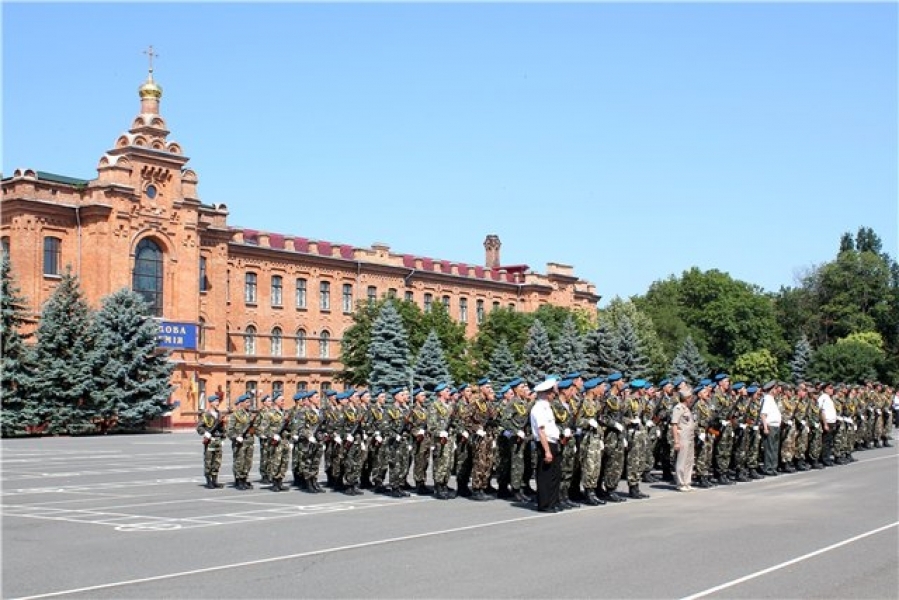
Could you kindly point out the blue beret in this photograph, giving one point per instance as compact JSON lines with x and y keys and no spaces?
{"x":677,"y":381}
{"x":483,"y":381}
{"x":213,"y":398}
{"x":266,"y":398}
{"x":752,"y":389}
{"x":573,"y":375}
{"x":330,"y":393}
{"x":739,"y":386}
{"x":300,"y":396}
{"x":397,"y":390}
{"x":440,"y":387}
{"x":516,"y":382}
{"x":649,"y":384}
{"x":705,"y":382}
{"x":453,"y":390}
{"x":241,"y":398}
{"x":417,"y":391}
{"x":363,"y":392}
{"x":698,"y":388}
{"x":464,"y":386}
{"x":276,"y":395}
{"x":565,"y":384}
{"x":664,"y":382}
{"x":377,"y":392}
{"x":592,"y":383}
{"x":638,"y":384}
{"x":721,"y":376}
{"x":503,"y":390}
{"x":613,"y":377}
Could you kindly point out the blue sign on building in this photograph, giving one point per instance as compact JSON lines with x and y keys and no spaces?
{"x":178,"y":336}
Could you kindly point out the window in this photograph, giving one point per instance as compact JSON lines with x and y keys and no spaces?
{"x":428,"y":299}
{"x":277,"y":388}
{"x":301,"y":293}
{"x":277,"y":291}
{"x":512,"y":306}
{"x":463,"y":310}
{"x":410,"y":297}
{"x":496,"y":305}
{"x":325,"y":296}
{"x":204,"y":283}
{"x":347,"y":298}
{"x":201,"y":334}
{"x":249,"y":289}
{"x":479,"y":309}
{"x":251,"y":387}
{"x":52,"y":255}
{"x":147,"y":277}
{"x":277,"y":337}
{"x":4,"y":241}
{"x":324,"y":345}
{"x":391,"y":293}
{"x":372,"y":293}
{"x":302,"y":386}
{"x":201,"y":394}
{"x":325,"y":386}
{"x":446,"y":302}
{"x":301,"y":343}
{"x":249,"y":341}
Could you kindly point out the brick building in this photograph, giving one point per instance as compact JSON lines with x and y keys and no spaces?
{"x":268,"y":309}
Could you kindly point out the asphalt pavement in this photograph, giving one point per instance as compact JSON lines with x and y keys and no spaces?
{"x":128,"y":517}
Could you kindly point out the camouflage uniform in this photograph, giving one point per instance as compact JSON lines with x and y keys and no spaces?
{"x":754,"y":421}
{"x":242,"y":436}
{"x":800,"y":422}
{"x":278,"y":422}
{"x":590,"y":447}
{"x":421,"y":447}
{"x":375,"y":429}
{"x":481,"y":445}
{"x":354,"y":448}
{"x":399,"y":444}
{"x":722,"y":406}
{"x":515,"y":422}
{"x":439,"y":420}
{"x":265,"y":447}
{"x":815,"y":434}
{"x":632,"y":412}
{"x":462,"y":456}
{"x":703,"y":416}
{"x":211,"y":426}
{"x":566,"y":421}
{"x":614,"y":445}
{"x":309,"y":420}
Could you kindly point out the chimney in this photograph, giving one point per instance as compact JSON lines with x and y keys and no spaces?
{"x":492,"y":246}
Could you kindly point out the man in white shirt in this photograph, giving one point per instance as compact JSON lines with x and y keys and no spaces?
{"x":828,"y":412}
{"x":771,"y":419}
{"x":549,"y":455}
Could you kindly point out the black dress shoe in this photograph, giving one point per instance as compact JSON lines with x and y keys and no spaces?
{"x":551,"y":509}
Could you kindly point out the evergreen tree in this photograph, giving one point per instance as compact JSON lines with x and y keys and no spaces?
{"x":16,"y":374}
{"x":503,"y":368}
{"x":601,"y":349}
{"x":63,"y":358}
{"x":538,"y":354}
{"x":569,"y":348}
{"x":801,"y":357}
{"x":431,"y":367}
{"x":630,"y":350}
{"x":689,"y":363}
{"x":388,"y":351}
{"x":131,"y":378}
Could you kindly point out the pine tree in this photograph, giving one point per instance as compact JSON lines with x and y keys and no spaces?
{"x":16,"y":374}
{"x":62,"y":354}
{"x":538,"y":354}
{"x":388,"y":351}
{"x":801,"y":357}
{"x":431,"y":367}
{"x":503,"y":368}
{"x":569,"y":349}
{"x":601,"y":349}
{"x":131,"y":378}
{"x":689,"y":363}
{"x":633,"y":359}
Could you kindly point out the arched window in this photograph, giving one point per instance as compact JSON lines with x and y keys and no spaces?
{"x":325,"y":344}
{"x":301,"y":343}
{"x":276,"y":341}
{"x":146,"y":279}
{"x":249,"y":340}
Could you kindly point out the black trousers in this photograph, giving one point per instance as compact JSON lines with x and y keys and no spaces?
{"x":549,"y":475}
{"x":827,"y":450}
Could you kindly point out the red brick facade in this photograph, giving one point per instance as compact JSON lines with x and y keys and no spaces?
{"x":145,"y":196}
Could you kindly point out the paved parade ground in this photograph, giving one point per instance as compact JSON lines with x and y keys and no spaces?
{"x":127,"y":517}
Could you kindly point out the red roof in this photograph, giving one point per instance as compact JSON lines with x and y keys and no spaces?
{"x":408,"y":261}
{"x":346,"y":251}
{"x":324,"y":248}
{"x":276,"y":240}
{"x":427,"y":264}
{"x":301,"y":244}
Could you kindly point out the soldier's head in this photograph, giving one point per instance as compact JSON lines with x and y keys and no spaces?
{"x":364,"y":398}
{"x":279,"y":400}
{"x":400,"y":395}
{"x":566,"y":389}
{"x":419,"y":395}
{"x":616,"y":381}
{"x":666,"y":386}
{"x":484,"y":385}
{"x":722,"y":381}
{"x":506,"y":393}
{"x":576,"y":380}
{"x":591,"y":387}
{"x":267,"y":401}
{"x":519,"y":388}
{"x":466,"y":391}
{"x":442,"y":392}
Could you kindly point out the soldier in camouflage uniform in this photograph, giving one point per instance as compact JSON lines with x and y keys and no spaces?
{"x":615,"y":442}
{"x":562,"y":403}
{"x":516,"y":424}
{"x":632,"y":412}
{"x":504,"y":444}
{"x":439,"y":425}
{"x":399,"y":442}
{"x":242,"y":436}
{"x":309,"y":419}
{"x":278,"y":433}
{"x":800,"y":422}
{"x":703,"y":417}
{"x":333,"y":426}
{"x":296,"y":444}
{"x":462,"y":459}
{"x":421,"y":442}
{"x":375,"y":428}
{"x":653,"y":432}
{"x":787,"y":404}
{"x":741,"y":432}
{"x":663,"y":450}
{"x":265,"y":447}
{"x":815,"y":432}
{"x":591,"y":444}
{"x":354,"y":447}
{"x":722,"y":405}
{"x":211,"y":426}
{"x":754,"y":429}
{"x":481,"y":421}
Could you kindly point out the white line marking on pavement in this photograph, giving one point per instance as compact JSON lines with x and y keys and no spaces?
{"x":745,"y":578}
{"x":274,"y":559}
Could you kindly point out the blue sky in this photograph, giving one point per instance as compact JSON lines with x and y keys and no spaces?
{"x":632,"y":141}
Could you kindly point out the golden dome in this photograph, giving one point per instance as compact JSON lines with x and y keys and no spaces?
{"x":150,"y":89}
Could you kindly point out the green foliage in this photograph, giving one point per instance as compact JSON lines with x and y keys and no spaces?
{"x":569,"y":348}
{"x":632,"y":357}
{"x":538,"y":354}
{"x":601,"y":350}
{"x":848,"y":362}
{"x":500,"y":324}
{"x":64,"y":389}
{"x":503,"y":367}
{"x":872,"y":338}
{"x":758,"y":365}
{"x":689,"y":363}
{"x":388,"y":351}
{"x":651,"y":344}
{"x":430,"y":366}
{"x":131,"y":376}
{"x":15,"y":361}
{"x":357,"y":338}
{"x":452,"y":340}
{"x":801,"y":357}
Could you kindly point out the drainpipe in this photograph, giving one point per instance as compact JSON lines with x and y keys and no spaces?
{"x":78,"y":221}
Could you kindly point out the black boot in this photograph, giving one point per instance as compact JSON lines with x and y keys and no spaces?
{"x":635,"y":493}
{"x":593,"y":500}
{"x":215,"y":482}
{"x":209,"y":484}
{"x":464,"y":490}
{"x":704,"y":483}
{"x":238,"y":484}
{"x":521,"y":497}
{"x":504,"y":492}
{"x":742,"y":477}
{"x":479,"y":496}
{"x":439,"y":492}
{"x":422,"y":490}
{"x":352,"y":490}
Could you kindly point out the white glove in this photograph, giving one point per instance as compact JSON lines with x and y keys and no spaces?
{"x":464,"y":435}
{"x":619,"y":427}
{"x":480,"y":433}
{"x":649,"y":423}
{"x":239,"y":439}
{"x":635,"y":421}
{"x":363,"y":447}
{"x":625,"y":442}
{"x":520,"y":434}
{"x":207,"y":435}
{"x":742,"y":425}
{"x":755,"y":427}
{"x":592,"y":423}
{"x":658,"y":433}
{"x":378,"y":438}
{"x":290,"y":445}
{"x":420,"y":432}
{"x":702,"y":436}
{"x":377,"y":434}
{"x":566,"y":432}
{"x":311,"y":439}
{"x":602,"y":445}
{"x":294,"y":438}
{"x":349,"y":438}
{"x":409,"y":448}
{"x":337,"y":439}
{"x":444,"y":434}
{"x":723,"y":423}
{"x":277,"y":437}
{"x":493,"y":444}
{"x":399,"y":437}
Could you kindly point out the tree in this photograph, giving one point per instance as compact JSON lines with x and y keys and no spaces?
{"x":131,"y":376}
{"x":388,"y":352}
{"x":503,"y":367}
{"x":63,"y":354}
{"x":650,"y":343}
{"x":689,"y":363}
{"x":801,"y":357}
{"x":601,"y":349}
{"x":452,"y":338}
{"x":634,"y":362}
{"x":430,"y":366}
{"x":538,"y":354}
{"x":848,"y":362}
{"x":17,"y":370}
{"x":500,"y":324}
{"x":569,"y":349}
{"x":758,"y":365}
